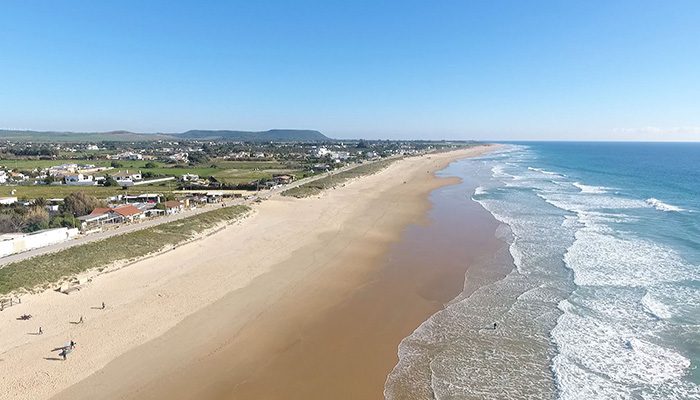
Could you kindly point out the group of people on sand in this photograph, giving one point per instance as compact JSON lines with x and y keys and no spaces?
{"x":66,"y":349}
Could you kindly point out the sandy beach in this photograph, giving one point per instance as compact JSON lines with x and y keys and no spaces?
{"x":302,"y":299}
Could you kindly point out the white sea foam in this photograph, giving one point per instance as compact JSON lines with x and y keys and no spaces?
{"x":601,"y":259}
{"x":606,"y":336}
{"x":656,"y":307}
{"x":577,"y":203}
{"x":676,"y":301}
{"x":608,"y":350}
{"x":544,"y":171}
{"x":622,"y":365}
{"x":499,"y":172}
{"x":661,"y":206}
{"x":479,"y":191}
{"x":590,"y":189}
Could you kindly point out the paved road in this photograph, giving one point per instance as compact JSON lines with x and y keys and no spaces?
{"x":160,"y":220}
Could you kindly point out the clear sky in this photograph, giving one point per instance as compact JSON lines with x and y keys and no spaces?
{"x":508,"y":70}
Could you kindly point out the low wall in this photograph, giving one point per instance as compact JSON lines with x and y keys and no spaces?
{"x":35,"y":240}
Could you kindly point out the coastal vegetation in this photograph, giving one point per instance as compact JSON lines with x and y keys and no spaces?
{"x":332,"y":180}
{"x":47,"y":269}
{"x":79,"y":203}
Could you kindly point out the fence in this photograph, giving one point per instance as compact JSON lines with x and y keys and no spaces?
{"x":5,"y":303}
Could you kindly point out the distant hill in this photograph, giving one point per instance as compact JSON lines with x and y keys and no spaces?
{"x":51,"y":136}
{"x":273,"y":135}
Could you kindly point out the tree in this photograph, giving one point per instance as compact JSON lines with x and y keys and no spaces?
{"x":109,"y":181}
{"x":198,"y":158}
{"x":79,"y":203}
{"x":362,"y":144}
{"x":36,"y":215}
{"x":64,"y":221}
{"x":116,"y":164}
{"x":151,"y":165}
{"x":11,"y":222}
{"x":37,"y":226}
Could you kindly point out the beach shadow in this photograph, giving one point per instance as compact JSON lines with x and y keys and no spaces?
{"x":75,"y":322}
{"x":96,"y":308}
{"x":53,"y":359}
{"x":34,"y":333}
{"x":60,"y":348}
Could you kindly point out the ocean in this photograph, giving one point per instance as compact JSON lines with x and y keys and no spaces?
{"x":601,"y":297}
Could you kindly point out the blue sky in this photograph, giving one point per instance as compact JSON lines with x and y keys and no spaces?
{"x":520,"y":70}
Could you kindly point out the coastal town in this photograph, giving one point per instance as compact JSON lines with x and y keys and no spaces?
{"x":54,"y":192}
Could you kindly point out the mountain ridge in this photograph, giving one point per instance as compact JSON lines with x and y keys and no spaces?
{"x":274,"y":135}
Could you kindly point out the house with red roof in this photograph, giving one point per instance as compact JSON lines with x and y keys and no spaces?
{"x":104,"y":215}
{"x":128,"y":213}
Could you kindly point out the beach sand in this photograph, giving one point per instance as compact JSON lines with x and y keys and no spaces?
{"x":303,"y":299}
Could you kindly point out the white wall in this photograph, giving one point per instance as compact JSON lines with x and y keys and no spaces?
{"x":7,"y":247}
{"x":37,"y":239}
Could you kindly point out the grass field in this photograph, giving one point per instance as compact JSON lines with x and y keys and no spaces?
{"x":61,"y":191}
{"x":51,"y":268}
{"x":229,"y":172}
{"x":315,"y":187}
{"x":206,"y":169}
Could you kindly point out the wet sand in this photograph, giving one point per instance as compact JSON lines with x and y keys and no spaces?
{"x":350,"y":349}
{"x":325,"y":321}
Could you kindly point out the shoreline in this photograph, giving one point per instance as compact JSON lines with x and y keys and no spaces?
{"x":243,"y":272}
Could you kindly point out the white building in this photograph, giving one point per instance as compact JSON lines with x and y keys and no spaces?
{"x":63,"y":169}
{"x":240,"y":154}
{"x":80,"y":179}
{"x":126,"y":178}
{"x":321,"y":152}
{"x":189,"y":177}
{"x":341,"y":155}
{"x":8,"y":200}
{"x":179,"y":157}
{"x":128,"y":156}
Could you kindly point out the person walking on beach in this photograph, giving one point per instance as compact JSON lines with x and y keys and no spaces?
{"x":40,"y":331}
{"x":72,"y":344}
{"x":63,"y":354}
{"x":495,"y":325}
{"x":81,"y":320}
{"x":103,"y":305}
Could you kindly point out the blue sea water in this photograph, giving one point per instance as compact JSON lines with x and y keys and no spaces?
{"x":603,"y":301}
